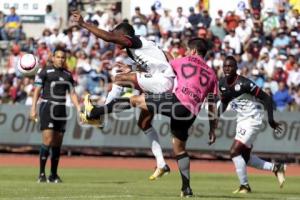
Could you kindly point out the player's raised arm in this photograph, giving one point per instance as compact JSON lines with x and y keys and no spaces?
{"x":100,"y":33}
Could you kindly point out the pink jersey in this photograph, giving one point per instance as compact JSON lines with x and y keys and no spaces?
{"x":194,"y":81}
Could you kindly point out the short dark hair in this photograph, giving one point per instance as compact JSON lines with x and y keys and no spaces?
{"x":199,"y":44}
{"x":59,"y":48}
{"x":49,"y":7}
{"x":126,"y":28}
{"x":231,"y":58}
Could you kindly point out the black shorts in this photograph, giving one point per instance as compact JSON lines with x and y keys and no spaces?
{"x":53,"y":116}
{"x":167,"y":104}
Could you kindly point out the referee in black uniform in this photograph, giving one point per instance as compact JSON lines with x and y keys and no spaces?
{"x":55,"y":82}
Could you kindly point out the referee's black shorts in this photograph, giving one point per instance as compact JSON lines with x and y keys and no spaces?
{"x":167,"y":104}
{"x":53,"y":116}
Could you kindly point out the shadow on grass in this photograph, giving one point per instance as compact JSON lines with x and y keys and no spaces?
{"x":111,"y":182}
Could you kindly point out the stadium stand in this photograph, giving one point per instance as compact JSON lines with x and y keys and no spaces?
{"x":266,"y":43}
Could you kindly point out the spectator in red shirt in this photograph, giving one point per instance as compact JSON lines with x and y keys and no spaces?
{"x":43,"y":52}
{"x":231,"y":20}
{"x":289,"y":65}
{"x":280,"y":74}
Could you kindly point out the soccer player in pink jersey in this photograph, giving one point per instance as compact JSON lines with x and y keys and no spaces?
{"x":195,"y":82}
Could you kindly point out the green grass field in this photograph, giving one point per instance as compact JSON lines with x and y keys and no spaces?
{"x":20,"y":183}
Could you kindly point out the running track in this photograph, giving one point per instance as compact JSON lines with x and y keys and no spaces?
{"x":131,"y":163}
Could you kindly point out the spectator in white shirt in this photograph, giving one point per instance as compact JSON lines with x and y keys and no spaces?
{"x":234,"y":41}
{"x":266,"y":64}
{"x":165,"y":22}
{"x":100,"y":18}
{"x":56,"y":37}
{"x":243,"y":32}
{"x":139,"y":27}
{"x":294,"y":76}
{"x":293,"y":19}
{"x":52,"y":19}
{"x":179,"y":21}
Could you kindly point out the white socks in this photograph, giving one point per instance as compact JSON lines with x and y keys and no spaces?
{"x":258,"y":163}
{"x":254,"y":161}
{"x":241,"y":169}
{"x":115,"y":92}
{"x":155,"y":147}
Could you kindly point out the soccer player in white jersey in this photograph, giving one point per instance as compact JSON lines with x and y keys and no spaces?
{"x":243,"y":96}
{"x":157,"y":77}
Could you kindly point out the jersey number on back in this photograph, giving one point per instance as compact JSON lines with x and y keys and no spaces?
{"x":204,"y":77}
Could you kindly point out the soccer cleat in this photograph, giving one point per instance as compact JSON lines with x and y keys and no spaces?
{"x":243,"y":189}
{"x":54,"y":179}
{"x":93,"y":122}
{"x":279,"y":171}
{"x":159,"y":172}
{"x":42,"y":178}
{"x":187,"y":192}
{"x":84,"y":115}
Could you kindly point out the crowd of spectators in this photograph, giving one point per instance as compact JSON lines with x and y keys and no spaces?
{"x":265,"y":42}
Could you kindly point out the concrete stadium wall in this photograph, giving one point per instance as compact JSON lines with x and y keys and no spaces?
{"x":122,"y":132}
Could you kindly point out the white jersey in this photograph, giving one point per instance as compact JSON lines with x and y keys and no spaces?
{"x":151,"y":58}
{"x":241,"y":97}
{"x":247,"y":106}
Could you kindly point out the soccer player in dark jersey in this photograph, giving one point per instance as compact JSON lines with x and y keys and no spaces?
{"x":156,"y":76}
{"x":244,"y":97}
{"x":54,"y":81}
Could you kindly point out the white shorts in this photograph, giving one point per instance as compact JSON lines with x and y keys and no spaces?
{"x":154,"y":83}
{"x":247,"y":130}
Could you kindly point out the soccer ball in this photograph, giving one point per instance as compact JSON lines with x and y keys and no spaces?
{"x":28,"y":64}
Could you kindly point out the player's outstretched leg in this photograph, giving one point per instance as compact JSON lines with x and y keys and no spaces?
{"x":239,"y":162}
{"x":278,"y":168}
{"x":144,"y":123}
{"x":161,"y":167}
{"x":115,"y":92}
{"x":241,"y":171}
{"x":84,"y":115}
{"x":94,"y":114}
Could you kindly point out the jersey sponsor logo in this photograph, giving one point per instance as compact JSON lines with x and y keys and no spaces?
{"x":50,"y":125}
{"x":252,"y":86}
{"x":50,"y":71}
{"x":140,"y":60}
{"x":223,"y":88}
{"x":237,"y":87}
{"x":190,"y":93}
{"x":188,"y":70}
{"x":242,"y":131}
{"x":61,"y":79}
